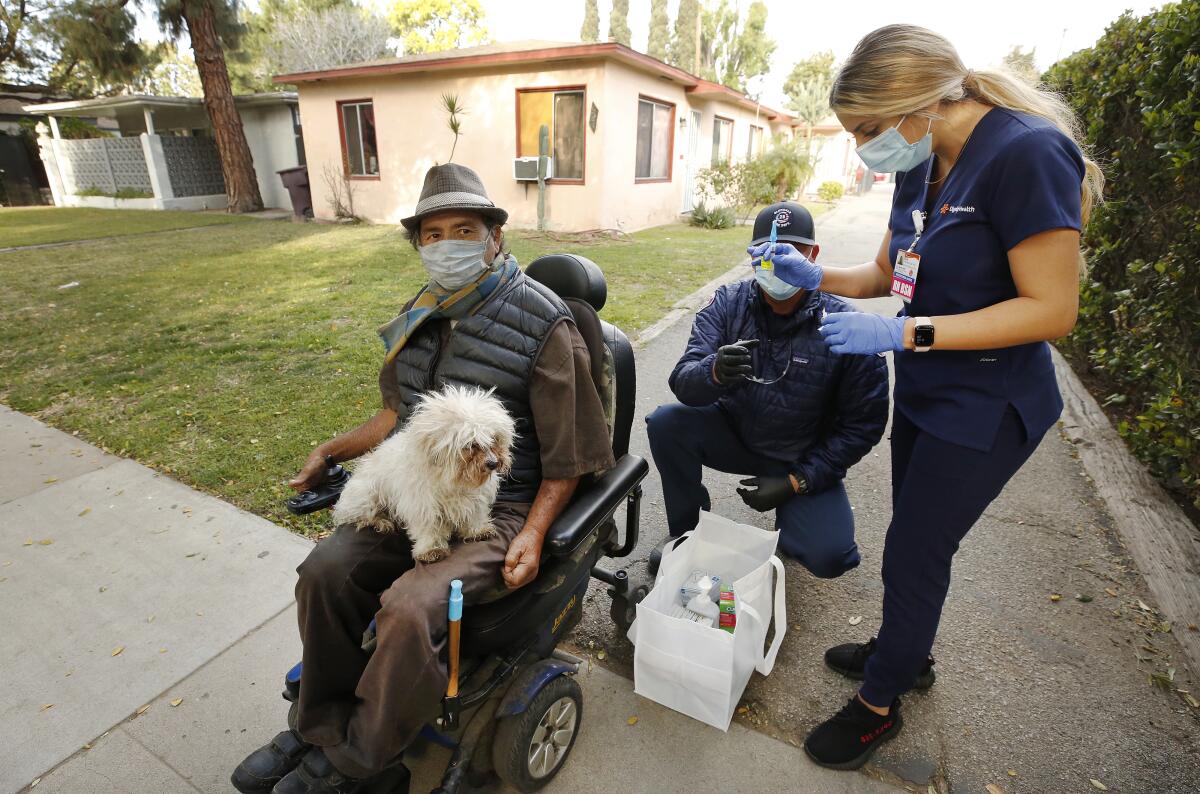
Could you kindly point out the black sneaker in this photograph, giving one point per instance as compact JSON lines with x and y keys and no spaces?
{"x":267,"y":765}
{"x":316,"y":774}
{"x":656,"y":554}
{"x":851,"y":659}
{"x":847,"y":739}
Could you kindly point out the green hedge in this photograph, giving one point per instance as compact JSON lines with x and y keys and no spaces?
{"x":1137,"y":93}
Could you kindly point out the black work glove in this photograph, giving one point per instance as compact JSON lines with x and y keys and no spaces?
{"x":768,"y":494}
{"x":733,"y":362}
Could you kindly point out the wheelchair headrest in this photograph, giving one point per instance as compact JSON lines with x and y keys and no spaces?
{"x":571,"y":276}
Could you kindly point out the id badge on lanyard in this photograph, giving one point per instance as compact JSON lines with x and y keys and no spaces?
{"x":908,"y":263}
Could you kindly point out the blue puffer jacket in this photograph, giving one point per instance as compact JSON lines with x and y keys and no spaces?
{"x":827,"y":412}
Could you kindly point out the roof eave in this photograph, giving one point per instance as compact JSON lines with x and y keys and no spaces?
{"x":458,"y":62}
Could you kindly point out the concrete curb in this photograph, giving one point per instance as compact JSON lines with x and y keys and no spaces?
{"x":688,"y":304}
{"x":1160,"y":538}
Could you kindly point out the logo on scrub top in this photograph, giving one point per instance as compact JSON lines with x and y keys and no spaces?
{"x":783,"y":216}
{"x":955,"y":209}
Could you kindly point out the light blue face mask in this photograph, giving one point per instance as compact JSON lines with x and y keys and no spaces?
{"x":453,"y":264}
{"x":772,"y":285}
{"x":889,"y":152}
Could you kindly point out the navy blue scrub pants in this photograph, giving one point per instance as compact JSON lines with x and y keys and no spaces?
{"x":939,"y":490}
{"x":816,"y":529}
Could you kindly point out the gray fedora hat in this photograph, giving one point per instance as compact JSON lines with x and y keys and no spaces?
{"x":453,"y":187}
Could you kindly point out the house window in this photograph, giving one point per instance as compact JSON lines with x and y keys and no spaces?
{"x":654,"y":139}
{"x":722,"y":150}
{"x":298,"y":132}
{"x":754,"y":146}
{"x":358,"y":138}
{"x":561,"y":111}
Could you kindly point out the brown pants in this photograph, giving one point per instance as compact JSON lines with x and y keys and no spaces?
{"x":365,"y":710}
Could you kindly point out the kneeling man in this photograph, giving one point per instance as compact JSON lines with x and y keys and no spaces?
{"x":762,"y":395}
{"x":478,"y":322}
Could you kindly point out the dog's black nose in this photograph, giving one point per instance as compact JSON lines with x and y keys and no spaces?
{"x":493,"y":464}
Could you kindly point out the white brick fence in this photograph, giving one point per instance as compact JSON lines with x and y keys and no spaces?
{"x":172,"y":172}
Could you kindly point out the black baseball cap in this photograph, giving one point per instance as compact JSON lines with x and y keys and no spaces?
{"x":795,"y":224}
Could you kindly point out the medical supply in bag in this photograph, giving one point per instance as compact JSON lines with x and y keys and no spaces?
{"x":684,"y":613}
{"x":727,"y":609}
{"x":700,"y":582}
{"x":690,"y":666}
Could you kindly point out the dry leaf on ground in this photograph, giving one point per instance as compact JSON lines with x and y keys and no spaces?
{"x":117,"y":650}
{"x":632,"y":721}
{"x":142,"y":710}
{"x":47,"y":706}
{"x":176,"y":701}
{"x":1097,"y":784}
{"x":855,"y":620}
{"x":45,"y":542}
{"x":992,"y":788}
{"x":1056,"y":597}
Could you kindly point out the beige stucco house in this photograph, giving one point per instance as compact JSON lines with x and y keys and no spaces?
{"x":627,"y":132}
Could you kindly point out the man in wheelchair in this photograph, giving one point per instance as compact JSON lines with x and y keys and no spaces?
{"x":479,"y":322}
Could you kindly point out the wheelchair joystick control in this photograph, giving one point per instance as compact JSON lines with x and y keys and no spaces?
{"x":325,"y":494}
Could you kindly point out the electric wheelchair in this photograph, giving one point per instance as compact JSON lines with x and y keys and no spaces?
{"x":518,"y":710}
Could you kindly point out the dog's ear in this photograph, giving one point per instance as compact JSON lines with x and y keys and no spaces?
{"x":435,"y":448}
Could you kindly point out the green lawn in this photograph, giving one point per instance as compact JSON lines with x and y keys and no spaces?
{"x":40,"y":225}
{"x":223,"y":356}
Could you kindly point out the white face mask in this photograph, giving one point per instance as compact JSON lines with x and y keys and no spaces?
{"x":453,"y":264}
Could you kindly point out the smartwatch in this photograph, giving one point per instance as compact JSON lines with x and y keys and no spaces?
{"x":922,"y":335}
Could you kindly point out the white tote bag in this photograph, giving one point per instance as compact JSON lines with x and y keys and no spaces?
{"x":698,"y":670}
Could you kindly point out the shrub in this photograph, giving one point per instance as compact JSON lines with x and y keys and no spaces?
{"x":1138,"y":334}
{"x":771,"y":177}
{"x":122,"y":193}
{"x":715,"y":218}
{"x":789,"y":164}
{"x":830,"y":191}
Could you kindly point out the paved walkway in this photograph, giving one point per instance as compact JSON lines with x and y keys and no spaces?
{"x":146,"y":629}
{"x":1054,"y":691}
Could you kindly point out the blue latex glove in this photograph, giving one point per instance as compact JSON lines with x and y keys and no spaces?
{"x":858,"y":332}
{"x":791,"y":266}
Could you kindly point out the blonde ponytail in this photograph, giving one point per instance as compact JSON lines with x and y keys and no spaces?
{"x":903,"y":69}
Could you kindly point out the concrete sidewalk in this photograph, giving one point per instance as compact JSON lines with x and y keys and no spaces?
{"x":1058,"y":692}
{"x":147,"y":628}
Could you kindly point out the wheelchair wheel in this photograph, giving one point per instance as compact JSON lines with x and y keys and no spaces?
{"x":529,"y":748}
{"x":624,"y":608}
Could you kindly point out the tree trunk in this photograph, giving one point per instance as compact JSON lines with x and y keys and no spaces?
{"x":237,"y":166}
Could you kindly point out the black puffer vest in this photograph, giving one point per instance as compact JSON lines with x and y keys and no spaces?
{"x":493,"y":347}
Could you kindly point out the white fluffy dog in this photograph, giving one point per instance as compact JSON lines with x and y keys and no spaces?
{"x":437,"y":478}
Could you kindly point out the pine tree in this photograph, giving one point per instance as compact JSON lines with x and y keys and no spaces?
{"x":591,"y":22}
{"x":618,"y":22}
{"x":660,"y":30}
{"x":683,"y":42}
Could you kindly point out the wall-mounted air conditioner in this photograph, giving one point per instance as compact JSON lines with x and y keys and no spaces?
{"x":525,"y":169}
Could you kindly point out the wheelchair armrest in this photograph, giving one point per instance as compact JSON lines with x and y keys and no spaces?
{"x":594,"y":501}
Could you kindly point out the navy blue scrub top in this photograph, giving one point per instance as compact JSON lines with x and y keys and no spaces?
{"x":1018,"y":175}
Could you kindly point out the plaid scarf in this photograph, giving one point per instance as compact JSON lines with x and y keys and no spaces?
{"x":432,"y":303}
